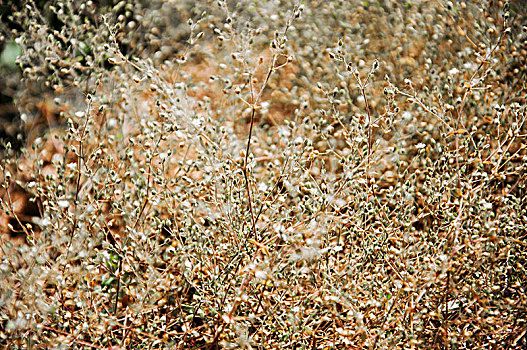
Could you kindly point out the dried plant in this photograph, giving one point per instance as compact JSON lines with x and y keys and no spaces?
{"x":327,"y":174}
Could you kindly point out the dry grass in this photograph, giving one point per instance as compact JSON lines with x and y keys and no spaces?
{"x":333,"y":174}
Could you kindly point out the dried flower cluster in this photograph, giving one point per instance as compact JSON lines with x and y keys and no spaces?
{"x":268,"y":174}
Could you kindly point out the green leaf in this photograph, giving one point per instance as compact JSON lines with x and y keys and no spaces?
{"x":9,"y":55}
